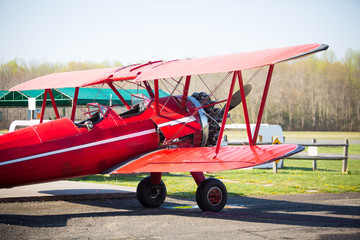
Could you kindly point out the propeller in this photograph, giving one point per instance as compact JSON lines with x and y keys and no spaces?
{"x":236,"y":98}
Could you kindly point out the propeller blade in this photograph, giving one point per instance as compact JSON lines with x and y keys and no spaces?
{"x":236,"y":98}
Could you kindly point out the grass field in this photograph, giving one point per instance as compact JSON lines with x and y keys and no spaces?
{"x":295,"y":178}
{"x":2,"y":131}
{"x":339,"y":137}
{"x":323,"y":135}
{"x":234,"y":135}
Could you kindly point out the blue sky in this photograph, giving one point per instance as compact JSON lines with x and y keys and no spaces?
{"x":133,"y":30}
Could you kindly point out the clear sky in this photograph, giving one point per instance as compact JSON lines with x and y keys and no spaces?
{"x":131,"y":31}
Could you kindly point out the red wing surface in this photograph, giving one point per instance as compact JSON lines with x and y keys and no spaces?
{"x":231,"y":62}
{"x":201,"y":159}
{"x":177,"y":68}
{"x":66,"y":79}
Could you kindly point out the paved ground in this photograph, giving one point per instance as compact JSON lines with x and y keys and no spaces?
{"x":64,"y":190}
{"x":310,"y":216}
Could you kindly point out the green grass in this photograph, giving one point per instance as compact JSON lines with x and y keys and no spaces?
{"x":354,"y":149}
{"x":296,"y":177}
{"x":235,"y":134}
{"x":3,"y":131}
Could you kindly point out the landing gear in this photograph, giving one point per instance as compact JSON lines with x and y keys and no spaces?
{"x":150,"y":195}
{"x":211,"y":195}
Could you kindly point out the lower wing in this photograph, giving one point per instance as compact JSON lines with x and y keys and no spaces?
{"x":203,"y":159}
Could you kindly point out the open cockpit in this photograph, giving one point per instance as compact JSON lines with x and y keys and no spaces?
{"x":96,"y":113}
{"x":139,"y":103}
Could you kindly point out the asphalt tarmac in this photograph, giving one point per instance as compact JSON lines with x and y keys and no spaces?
{"x":308,"y":216}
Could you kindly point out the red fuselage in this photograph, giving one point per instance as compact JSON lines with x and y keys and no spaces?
{"x":61,"y":149}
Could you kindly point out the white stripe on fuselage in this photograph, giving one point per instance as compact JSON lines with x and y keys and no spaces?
{"x":110,"y":140}
{"x":178,"y":121}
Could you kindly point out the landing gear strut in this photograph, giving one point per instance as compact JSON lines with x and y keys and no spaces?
{"x":211,"y":195}
{"x":150,"y":195}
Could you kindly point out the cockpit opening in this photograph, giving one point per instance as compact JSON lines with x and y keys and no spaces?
{"x":96,"y":113}
{"x":139,"y":103}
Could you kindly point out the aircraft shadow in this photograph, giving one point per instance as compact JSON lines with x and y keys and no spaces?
{"x":133,"y":177}
{"x":242,"y":209}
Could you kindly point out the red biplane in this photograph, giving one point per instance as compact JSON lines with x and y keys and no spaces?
{"x":155,"y":135}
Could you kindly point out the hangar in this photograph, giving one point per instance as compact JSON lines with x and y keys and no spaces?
{"x":64,"y":96}
{"x":14,"y":105}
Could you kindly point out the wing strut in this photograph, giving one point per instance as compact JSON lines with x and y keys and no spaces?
{"x":263,"y":101}
{"x":43,"y":106}
{"x":186,"y":91}
{"x":246,"y":114}
{"x":225,"y":113}
{"x":119,"y":96}
{"x":252,"y":138}
{"x":74,"y":104}
{"x":54,"y":104}
{"x":149,"y":90}
{"x":156,"y":86}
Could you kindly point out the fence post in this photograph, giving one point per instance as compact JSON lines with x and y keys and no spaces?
{"x":346,"y":155}
{"x":314,"y":163}
{"x":275,"y":166}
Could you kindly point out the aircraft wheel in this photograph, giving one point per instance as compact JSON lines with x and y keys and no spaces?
{"x":151,"y":195}
{"x":211,"y":195}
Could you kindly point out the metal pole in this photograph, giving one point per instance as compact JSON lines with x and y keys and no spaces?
{"x":314,"y":163}
{"x":346,"y":155}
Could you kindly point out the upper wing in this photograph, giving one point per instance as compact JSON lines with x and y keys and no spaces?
{"x":178,"y":68}
{"x":201,"y":159}
{"x":227,"y":63}
{"x":66,"y":79}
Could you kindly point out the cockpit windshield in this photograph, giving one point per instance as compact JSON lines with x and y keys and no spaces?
{"x":95,"y":108}
{"x":138,"y":98}
{"x":139,"y":103}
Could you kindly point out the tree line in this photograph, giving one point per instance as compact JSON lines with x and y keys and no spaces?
{"x":312,"y":93}
{"x":317,"y":94}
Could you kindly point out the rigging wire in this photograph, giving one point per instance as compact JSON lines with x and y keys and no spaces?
{"x":254,"y":75}
{"x":216,"y":88}
{"x":173,"y":85}
{"x":202,"y":104}
{"x":171,"y":94}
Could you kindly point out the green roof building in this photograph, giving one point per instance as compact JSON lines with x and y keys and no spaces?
{"x":64,"y":96}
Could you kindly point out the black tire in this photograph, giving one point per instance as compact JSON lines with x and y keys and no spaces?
{"x":211,"y":195}
{"x":149,"y":195}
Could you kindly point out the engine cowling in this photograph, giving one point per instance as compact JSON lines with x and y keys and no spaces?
{"x":210,"y":118}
